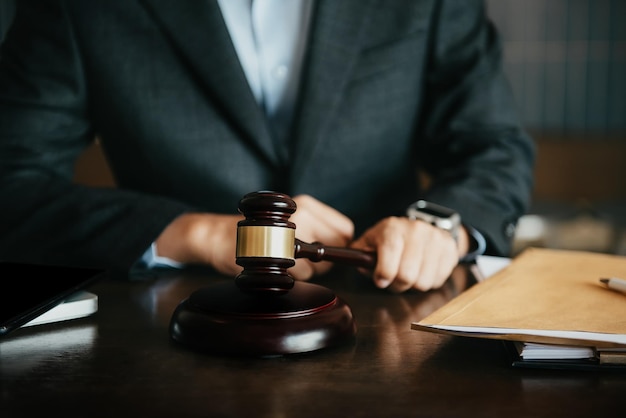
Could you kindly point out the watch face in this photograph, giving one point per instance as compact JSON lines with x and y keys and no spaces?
{"x":439,"y":216}
{"x":433,"y":209}
{"x":445,"y":224}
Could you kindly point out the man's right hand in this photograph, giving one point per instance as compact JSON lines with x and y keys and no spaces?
{"x":317,"y":222}
{"x":202,"y":238}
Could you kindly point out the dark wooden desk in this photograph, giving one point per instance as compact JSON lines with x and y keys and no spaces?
{"x":121,"y":362}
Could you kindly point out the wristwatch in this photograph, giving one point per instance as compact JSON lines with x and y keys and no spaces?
{"x":436,"y":215}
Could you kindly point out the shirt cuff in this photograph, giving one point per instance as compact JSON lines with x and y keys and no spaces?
{"x":150,"y":259}
{"x":478,"y":245}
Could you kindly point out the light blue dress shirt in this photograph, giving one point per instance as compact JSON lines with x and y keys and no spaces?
{"x":270,"y":38}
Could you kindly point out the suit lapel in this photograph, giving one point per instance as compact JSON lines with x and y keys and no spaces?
{"x":198,"y":30}
{"x":336,"y":34}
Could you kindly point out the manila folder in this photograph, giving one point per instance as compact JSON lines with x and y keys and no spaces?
{"x":544,"y":296}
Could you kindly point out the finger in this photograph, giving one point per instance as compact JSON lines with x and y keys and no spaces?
{"x":321,"y":222}
{"x":403,"y":245}
{"x":449,"y":261}
{"x":414,"y":256}
{"x":428,"y":272}
{"x":327,"y":215}
{"x":438,"y":261}
{"x":425,"y":262}
{"x":388,"y":242}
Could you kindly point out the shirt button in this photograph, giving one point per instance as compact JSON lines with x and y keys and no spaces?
{"x":509,"y":230}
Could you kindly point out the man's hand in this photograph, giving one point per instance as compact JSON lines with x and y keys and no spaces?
{"x":412,"y":254}
{"x":202,"y":238}
{"x":317,"y":222}
{"x":205,"y":238}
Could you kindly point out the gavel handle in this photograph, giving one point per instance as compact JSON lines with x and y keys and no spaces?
{"x":318,"y":252}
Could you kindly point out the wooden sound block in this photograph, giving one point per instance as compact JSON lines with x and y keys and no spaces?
{"x":222,"y":319}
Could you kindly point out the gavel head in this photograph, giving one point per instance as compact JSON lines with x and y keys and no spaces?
{"x":266,"y":243}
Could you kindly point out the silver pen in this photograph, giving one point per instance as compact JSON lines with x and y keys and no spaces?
{"x":615,"y":283}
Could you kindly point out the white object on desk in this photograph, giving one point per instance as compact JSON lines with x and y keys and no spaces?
{"x":488,"y":265}
{"x":615,"y":284}
{"x":78,"y":305}
{"x":535,"y":351}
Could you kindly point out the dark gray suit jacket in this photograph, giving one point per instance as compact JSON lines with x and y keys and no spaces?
{"x":390,"y":88}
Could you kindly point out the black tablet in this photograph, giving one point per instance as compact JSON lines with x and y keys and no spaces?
{"x":29,"y":290}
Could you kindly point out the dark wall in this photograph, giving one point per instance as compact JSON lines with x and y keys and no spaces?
{"x":7,"y":8}
{"x":566,"y":60}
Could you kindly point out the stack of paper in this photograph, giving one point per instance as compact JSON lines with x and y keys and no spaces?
{"x":543,"y":296}
{"x":534,"y":351}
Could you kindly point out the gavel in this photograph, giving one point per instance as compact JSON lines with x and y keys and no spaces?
{"x":267,"y":245}
{"x":264,"y":311}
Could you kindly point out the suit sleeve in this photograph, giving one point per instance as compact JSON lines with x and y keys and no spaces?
{"x":44,"y":125}
{"x":480,"y":159}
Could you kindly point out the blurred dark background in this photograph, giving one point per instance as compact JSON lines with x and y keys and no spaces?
{"x":566,"y":61}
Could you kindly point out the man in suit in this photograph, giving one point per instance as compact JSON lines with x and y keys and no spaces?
{"x":356,"y":108}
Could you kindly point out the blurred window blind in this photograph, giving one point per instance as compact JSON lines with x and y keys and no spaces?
{"x":566,"y":60}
